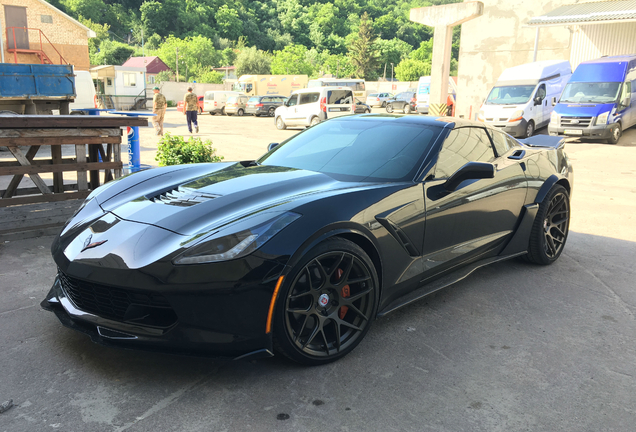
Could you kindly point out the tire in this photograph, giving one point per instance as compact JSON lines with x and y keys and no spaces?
{"x":407,"y":109}
{"x":529,"y":129}
{"x":383,"y":104}
{"x":339,"y":273}
{"x":240,"y":112}
{"x":550,"y":229}
{"x":200,"y":111}
{"x":314,"y":121}
{"x":212,"y":113}
{"x":389,"y":108}
{"x":280,"y":124}
{"x":223,"y":111}
{"x":270,"y":111}
{"x":367,"y":111}
{"x":617,"y":132}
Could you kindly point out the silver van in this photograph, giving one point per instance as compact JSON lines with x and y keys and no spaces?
{"x":214,"y":101}
{"x":310,"y":106}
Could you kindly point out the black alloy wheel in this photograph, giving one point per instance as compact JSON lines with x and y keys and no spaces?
{"x":327,"y":304}
{"x":270,"y":111}
{"x":551,"y":227}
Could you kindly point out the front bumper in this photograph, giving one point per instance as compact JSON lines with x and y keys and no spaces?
{"x":220,"y":319}
{"x":422,"y":108}
{"x":596,"y":131}
{"x":517,"y":129}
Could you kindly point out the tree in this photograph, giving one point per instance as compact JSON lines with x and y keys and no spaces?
{"x":112,"y":53}
{"x":161,"y":17}
{"x":101,"y":32}
{"x":291,"y":60}
{"x":252,"y":61}
{"x":229,"y":57}
{"x":228,"y":22}
{"x":212,"y":77}
{"x":88,"y":9}
{"x":362,"y":51}
{"x":391,"y":51}
{"x":412,"y":70}
{"x":163,"y":76}
{"x":338,"y":65}
{"x":196,"y":55}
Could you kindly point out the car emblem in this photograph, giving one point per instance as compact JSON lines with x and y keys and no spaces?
{"x":89,"y":245}
{"x":575,"y":121}
{"x":323,"y":300}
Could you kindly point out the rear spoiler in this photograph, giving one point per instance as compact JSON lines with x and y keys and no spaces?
{"x":544,"y":141}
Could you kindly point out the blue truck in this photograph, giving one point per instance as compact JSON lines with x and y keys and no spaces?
{"x":599,"y":100}
{"x":36,"y":88}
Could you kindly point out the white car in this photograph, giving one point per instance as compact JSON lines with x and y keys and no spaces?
{"x":310,"y":106}
{"x":378,"y":99}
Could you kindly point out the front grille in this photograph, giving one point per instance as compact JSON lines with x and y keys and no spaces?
{"x":118,"y":304}
{"x":576,"y":121}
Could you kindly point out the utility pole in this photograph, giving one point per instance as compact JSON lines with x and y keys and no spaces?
{"x":384,"y":72}
{"x":177,"y":61}
{"x":391,"y":72}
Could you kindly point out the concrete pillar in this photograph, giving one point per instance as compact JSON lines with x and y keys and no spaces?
{"x":443,"y":19}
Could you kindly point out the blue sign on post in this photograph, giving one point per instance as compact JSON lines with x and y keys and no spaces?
{"x":134,"y":154}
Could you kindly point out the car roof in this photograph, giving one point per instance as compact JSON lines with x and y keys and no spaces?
{"x":444,"y":122}
{"x":319,"y":89}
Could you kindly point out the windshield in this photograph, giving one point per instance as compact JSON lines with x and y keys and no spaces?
{"x":591,"y":92}
{"x":510,"y":95}
{"x":357,"y":150}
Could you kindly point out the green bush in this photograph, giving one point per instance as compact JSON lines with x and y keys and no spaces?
{"x":174,"y":150}
{"x":171,"y":104}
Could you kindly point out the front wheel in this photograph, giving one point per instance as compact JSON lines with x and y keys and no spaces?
{"x":407,"y":109}
{"x":550,"y":228}
{"x":270,"y":111}
{"x":389,"y":108}
{"x":529,"y":129}
{"x":367,"y":111}
{"x":616,"y":134}
{"x":327,"y":303}
{"x":280,"y":124}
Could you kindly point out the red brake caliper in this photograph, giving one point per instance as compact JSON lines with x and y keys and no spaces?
{"x":346,"y":292}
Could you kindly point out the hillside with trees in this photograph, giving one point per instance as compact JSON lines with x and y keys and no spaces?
{"x":369,"y":39}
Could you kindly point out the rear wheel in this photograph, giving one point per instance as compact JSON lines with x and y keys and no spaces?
{"x":551,"y":226}
{"x":280,"y":124}
{"x":240,"y":112}
{"x":383,"y":104}
{"x":270,"y":111}
{"x":314,"y":121}
{"x":389,"y":108}
{"x":407,"y":109}
{"x":327,"y":303}
{"x":616,"y":134}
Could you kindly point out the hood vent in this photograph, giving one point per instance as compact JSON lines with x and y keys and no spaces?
{"x":181,"y":197}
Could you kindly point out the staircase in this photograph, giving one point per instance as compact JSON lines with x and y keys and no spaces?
{"x":23,"y":33}
{"x":141,"y":100}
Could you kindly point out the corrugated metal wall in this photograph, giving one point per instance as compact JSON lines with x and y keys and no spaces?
{"x":593,"y":41}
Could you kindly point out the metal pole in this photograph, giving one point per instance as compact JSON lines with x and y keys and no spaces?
{"x":2,"y":44}
{"x":177,"y":61}
{"x":536,"y":45}
{"x":391,"y":72}
{"x":384,"y":72}
{"x":143,"y":50}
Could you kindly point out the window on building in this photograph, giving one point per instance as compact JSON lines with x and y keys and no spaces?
{"x":109,"y":82}
{"x":48,"y":19}
{"x":151,"y":79}
{"x":130,"y":79}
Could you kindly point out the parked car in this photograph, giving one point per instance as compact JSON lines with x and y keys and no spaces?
{"x":236,"y":105}
{"x":520,"y":101}
{"x":405,"y":101}
{"x":264,"y":105}
{"x":378,"y":99}
{"x":299,"y":251}
{"x":361,"y":107}
{"x":599,"y":101}
{"x":180,"y":105}
{"x":214,"y":100}
{"x":310,"y":106}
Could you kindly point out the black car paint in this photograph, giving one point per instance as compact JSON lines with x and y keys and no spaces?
{"x":399,"y":101}
{"x":403,"y":227}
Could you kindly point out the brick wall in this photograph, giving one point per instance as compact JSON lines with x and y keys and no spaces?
{"x":66,"y":36}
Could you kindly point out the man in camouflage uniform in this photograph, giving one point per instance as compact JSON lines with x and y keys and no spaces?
{"x":159,"y":108}
{"x":191,"y":109}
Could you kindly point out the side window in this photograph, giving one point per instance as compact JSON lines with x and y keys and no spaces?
{"x":266,"y":100}
{"x":306,"y":98}
{"x":502,"y":145}
{"x":339,"y":97}
{"x":541,"y":92}
{"x":248,"y":88}
{"x":627,"y":91}
{"x":463,"y":145}
{"x":293,"y":100}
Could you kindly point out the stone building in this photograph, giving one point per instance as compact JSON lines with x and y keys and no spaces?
{"x":51,"y":36}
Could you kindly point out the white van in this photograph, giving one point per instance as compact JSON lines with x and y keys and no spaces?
{"x":424,"y":93}
{"x":84,"y":92}
{"x":214,"y":101}
{"x":520,"y":101}
{"x":310,"y":106}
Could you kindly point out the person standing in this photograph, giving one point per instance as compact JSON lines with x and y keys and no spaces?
{"x":159,"y":108}
{"x":191,"y":109}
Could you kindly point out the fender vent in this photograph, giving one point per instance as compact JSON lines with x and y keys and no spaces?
{"x":181,"y":197}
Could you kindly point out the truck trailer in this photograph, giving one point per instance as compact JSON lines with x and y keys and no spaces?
{"x":263,"y":85}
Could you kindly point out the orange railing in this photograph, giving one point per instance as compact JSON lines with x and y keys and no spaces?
{"x":40,"y":52}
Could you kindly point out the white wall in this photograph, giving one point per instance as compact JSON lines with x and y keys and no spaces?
{"x":593,"y":41}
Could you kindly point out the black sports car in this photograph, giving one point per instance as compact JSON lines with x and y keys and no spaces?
{"x":298,"y":251}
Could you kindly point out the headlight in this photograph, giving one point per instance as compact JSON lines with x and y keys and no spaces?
{"x":480,"y":116}
{"x":516,"y":116}
{"x":602,"y":118}
{"x":222,"y":246}
{"x":554,"y":118}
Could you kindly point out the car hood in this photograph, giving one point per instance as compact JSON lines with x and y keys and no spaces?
{"x":201,"y":203}
{"x":582,"y":109}
{"x":497,"y":112}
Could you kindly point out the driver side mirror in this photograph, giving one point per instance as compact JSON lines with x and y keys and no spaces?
{"x":470,"y":171}
{"x":537,"y":100}
{"x":554,"y":101}
{"x":626,"y":101}
{"x":271,"y":146}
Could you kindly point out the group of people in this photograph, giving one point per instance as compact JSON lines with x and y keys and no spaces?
{"x":190,"y":110}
